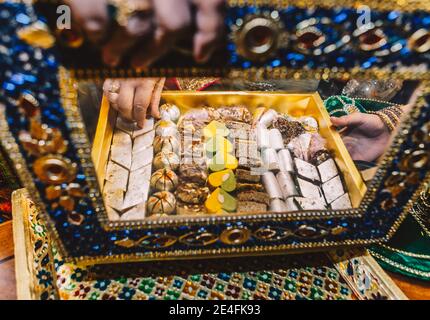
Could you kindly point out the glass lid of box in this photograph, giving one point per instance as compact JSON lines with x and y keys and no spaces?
{"x":220,"y":147}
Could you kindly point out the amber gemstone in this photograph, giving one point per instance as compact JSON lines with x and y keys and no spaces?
{"x":29,"y":105}
{"x":75,"y":190}
{"x":75,"y":218}
{"x":388,"y":203}
{"x":53,"y":192}
{"x":38,"y":130}
{"x":67,"y":203}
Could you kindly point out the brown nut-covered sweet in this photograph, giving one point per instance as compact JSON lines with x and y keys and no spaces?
{"x":193,"y":173}
{"x":235,"y":113}
{"x":289,"y":129}
{"x":185,"y":209}
{"x":252,"y":195}
{"x":320,"y":156}
{"x":164,"y":180}
{"x":166,"y":160}
{"x":166,"y":144}
{"x":162,"y":202}
{"x":206,"y":114}
{"x":192,"y":193}
{"x":191,"y":130}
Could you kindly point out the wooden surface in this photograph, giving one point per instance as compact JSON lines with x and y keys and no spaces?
{"x":7,"y":279}
{"x":414,"y":289}
{"x":6,"y":245}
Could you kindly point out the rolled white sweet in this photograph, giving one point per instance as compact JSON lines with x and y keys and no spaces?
{"x":287,"y":185}
{"x":267,"y":118}
{"x":263,"y":137}
{"x":278,"y":205}
{"x":286,"y":163}
{"x":276,"y":141}
{"x":291,"y":205}
{"x":271,"y":185}
{"x":270,"y":159}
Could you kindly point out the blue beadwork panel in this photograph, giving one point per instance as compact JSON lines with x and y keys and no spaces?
{"x":328,"y":38}
{"x":31,"y":70}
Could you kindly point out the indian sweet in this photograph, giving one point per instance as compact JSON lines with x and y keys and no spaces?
{"x":221,"y":160}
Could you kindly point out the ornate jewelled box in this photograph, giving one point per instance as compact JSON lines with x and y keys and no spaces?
{"x":72,"y":184}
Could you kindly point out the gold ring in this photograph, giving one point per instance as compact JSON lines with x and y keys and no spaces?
{"x":114,"y":87}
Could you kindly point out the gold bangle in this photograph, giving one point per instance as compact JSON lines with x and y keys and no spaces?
{"x":393,"y":117}
{"x":385,"y":119}
{"x":396,"y":109}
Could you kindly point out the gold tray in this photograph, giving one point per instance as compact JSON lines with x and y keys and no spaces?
{"x":295,"y":105}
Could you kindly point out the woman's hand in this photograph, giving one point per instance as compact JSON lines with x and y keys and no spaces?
{"x":173,"y":20}
{"x":209,"y":25}
{"x":149,"y":35}
{"x":135,"y":99}
{"x":92,"y":16}
{"x":365,"y":135}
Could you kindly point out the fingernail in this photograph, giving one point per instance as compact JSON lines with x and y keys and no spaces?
{"x":136,"y":64}
{"x":137,"y":27}
{"x":142,"y":63}
{"x":93,"y":25}
{"x":112,"y":61}
{"x":202,"y":58}
{"x":95,"y":30}
{"x":139,"y":64}
{"x":204,"y":55}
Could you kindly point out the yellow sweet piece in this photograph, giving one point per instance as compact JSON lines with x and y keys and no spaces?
{"x":231,"y":161}
{"x":217,"y":163}
{"x":212,"y":203}
{"x":229,"y":203}
{"x":219,"y":144}
{"x":215,"y":129}
{"x":218,"y":178}
{"x":224,"y":145}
